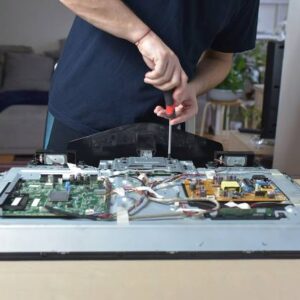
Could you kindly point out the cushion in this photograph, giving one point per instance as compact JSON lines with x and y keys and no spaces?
{"x":53,"y":54}
{"x":62,"y":43}
{"x":26,"y":71}
{"x":1,"y":74}
{"x":7,"y":48}
{"x":17,"y":49}
{"x":2,"y":59}
{"x":10,"y":98}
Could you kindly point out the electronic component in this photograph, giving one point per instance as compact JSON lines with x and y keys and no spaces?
{"x":150,"y":164}
{"x":253,"y":214}
{"x":260,"y":193}
{"x":238,"y":190}
{"x":41,"y":198}
{"x":230,"y":185}
{"x":218,"y":207}
{"x":247,"y":186}
{"x":130,"y":183}
{"x":259,"y":177}
{"x":17,"y":203}
{"x":234,"y":158}
{"x":59,"y":196}
{"x":53,"y":159}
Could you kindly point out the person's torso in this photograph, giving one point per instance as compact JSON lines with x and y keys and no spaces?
{"x":99,"y":82}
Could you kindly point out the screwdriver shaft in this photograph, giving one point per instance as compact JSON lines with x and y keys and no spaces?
{"x":170,"y":112}
{"x":170,"y":141}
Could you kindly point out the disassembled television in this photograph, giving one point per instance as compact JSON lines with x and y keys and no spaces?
{"x":147,"y":207}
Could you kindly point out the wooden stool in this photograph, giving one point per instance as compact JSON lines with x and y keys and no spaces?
{"x":222,"y":112}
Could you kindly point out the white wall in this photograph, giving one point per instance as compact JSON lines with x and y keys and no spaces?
{"x":37,"y":23}
{"x":40,"y":23}
{"x":271,"y":14}
{"x":287,"y":143}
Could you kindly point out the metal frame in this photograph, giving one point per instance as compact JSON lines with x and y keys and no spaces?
{"x":176,"y":238}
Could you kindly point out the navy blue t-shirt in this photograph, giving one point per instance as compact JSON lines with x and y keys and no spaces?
{"x":99,"y":81}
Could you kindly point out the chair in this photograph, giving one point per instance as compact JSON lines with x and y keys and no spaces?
{"x":222,"y":113}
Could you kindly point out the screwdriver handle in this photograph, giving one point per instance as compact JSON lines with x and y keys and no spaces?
{"x":170,"y":106}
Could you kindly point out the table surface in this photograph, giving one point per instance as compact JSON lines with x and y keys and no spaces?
{"x":235,"y":141}
{"x":184,"y":279}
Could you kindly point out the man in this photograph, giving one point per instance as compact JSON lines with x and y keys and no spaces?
{"x":121,"y":55}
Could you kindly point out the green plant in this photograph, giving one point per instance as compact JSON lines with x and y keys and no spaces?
{"x":236,"y":78}
{"x":248,"y":68}
{"x":253,"y":115}
{"x":256,"y":61}
{"x":250,"y":116}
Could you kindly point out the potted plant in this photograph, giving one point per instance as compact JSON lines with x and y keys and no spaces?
{"x":232,"y":87}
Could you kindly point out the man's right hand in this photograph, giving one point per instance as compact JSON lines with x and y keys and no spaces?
{"x":166,"y":72}
{"x":117,"y":19}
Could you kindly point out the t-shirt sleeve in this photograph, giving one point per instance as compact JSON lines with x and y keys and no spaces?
{"x":240,"y":32}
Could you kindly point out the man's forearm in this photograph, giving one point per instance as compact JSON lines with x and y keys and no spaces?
{"x":212,"y":69}
{"x":112,"y":16}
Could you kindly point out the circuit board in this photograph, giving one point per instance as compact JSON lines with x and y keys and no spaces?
{"x":231,"y":188}
{"x":51,"y":194}
{"x":129,"y":187}
{"x":163,"y":206}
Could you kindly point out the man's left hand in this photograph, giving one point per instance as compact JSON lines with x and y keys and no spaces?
{"x":185,"y":99}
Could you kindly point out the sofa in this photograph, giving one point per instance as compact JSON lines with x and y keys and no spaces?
{"x":24,"y":84}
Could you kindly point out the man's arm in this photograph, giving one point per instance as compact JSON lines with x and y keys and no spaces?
{"x":212,"y":69}
{"x":114,"y":17}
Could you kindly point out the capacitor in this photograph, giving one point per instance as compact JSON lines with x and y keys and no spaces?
{"x":220,"y":179}
{"x":247,"y":186}
{"x":79,"y":178}
{"x":50,"y":178}
{"x":271,"y":195}
{"x":193,"y":185}
{"x":215,"y":179}
{"x":72,"y":178}
{"x":68,"y":186}
{"x":230,"y":194}
{"x":257,"y":187}
{"x":86,"y":179}
{"x":202,"y":191}
{"x":203,"y":194}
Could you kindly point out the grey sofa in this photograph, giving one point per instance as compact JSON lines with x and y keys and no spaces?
{"x":22,"y":129}
{"x":22,"y":116}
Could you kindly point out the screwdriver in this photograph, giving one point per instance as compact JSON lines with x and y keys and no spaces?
{"x":170,"y":112}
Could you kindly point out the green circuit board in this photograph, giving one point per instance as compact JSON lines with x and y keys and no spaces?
{"x":33,"y":198}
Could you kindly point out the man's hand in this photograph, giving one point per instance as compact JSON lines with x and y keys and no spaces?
{"x":167,"y":72}
{"x":185,"y":98}
{"x":212,"y":69}
{"x":116,"y":18}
